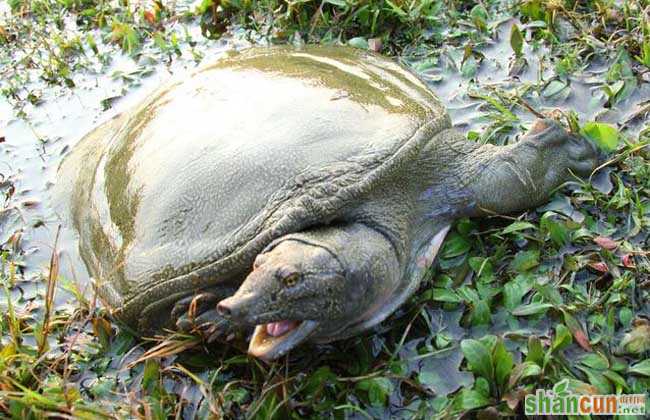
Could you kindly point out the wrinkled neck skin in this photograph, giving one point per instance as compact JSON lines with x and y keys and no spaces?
{"x":451,"y":178}
{"x":395,"y":232}
{"x":385,"y":242}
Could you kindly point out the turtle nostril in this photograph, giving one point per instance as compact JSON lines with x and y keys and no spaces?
{"x":224,"y":310}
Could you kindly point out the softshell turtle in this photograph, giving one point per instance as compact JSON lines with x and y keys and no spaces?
{"x":303,"y":192}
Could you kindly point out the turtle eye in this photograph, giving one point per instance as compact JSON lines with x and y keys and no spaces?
{"x":291,"y":280}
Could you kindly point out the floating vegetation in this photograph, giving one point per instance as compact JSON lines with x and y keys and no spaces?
{"x":514,"y":303}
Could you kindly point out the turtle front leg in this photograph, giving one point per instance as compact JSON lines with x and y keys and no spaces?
{"x":198,"y":314}
{"x":522,"y":176}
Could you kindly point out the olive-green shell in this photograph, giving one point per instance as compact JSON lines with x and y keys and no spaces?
{"x":181,"y":192}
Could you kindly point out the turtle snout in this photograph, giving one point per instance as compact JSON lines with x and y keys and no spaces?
{"x":234,"y":308}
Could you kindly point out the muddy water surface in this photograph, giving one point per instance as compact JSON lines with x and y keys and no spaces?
{"x":34,"y":147}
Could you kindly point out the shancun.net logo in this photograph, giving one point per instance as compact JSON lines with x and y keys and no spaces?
{"x":561,"y":401}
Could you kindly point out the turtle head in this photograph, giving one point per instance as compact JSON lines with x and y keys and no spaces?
{"x":296,"y":291}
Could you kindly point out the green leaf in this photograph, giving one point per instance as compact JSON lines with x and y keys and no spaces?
{"x":641,"y":368}
{"x":503,"y":364}
{"x":445,"y":295}
{"x":557,"y":231}
{"x":396,"y":9}
{"x":482,"y":267}
{"x":379,"y":389}
{"x":605,"y":136}
{"x":515,"y":290}
{"x":479,"y":16}
{"x":339,"y":3}
{"x":478,"y":357}
{"x":525,"y":260}
{"x":531,"y":309}
{"x":516,"y":40}
{"x":481,"y":314}
{"x":517,"y":226}
{"x":522,"y":371}
{"x":151,"y":375}
{"x":455,"y":245}
{"x":535,"y":350}
{"x":626,"y":315}
{"x":553,"y":88}
{"x":469,"y":399}
{"x":598,"y":380}
{"x":638,"y":340}
{"x":562,"y":338}
{"x":595,"y":361}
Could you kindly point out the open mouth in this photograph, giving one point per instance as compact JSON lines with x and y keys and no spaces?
{"x":275,"y":339}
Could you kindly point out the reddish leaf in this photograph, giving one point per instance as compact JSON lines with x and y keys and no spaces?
{"x":149,"y":17}
{"x":599,"y":266}
{"x":577,"y":331}
{"x":582,"y":340}
{"x":627,"y":261}
{"x":605,"y":242}
{"x":513,"y":398}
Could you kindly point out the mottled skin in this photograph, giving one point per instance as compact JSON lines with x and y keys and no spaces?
{"x":311,"y":185}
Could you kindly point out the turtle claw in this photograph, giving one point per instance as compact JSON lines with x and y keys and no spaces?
{"x":209,"y":326}
{"x":194,"y":305}
{"x":198,"y":314}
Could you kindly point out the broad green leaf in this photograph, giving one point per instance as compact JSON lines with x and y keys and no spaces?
{"x":522,"y":371}
{"x":516,"y":40}
{"x":445,"y":295}
{"x":625,"y":315}
{"x":515,"y":290}
{"x":638,"y":340}
{"x":553,"y":88}
{"x":603,"y":135}
{"x":641,"y":368}
{"x":531,"y":309}
{"x":478,"y":357}
{"x":562,"y":338}
{"x":379,"y":389}
{"x":535,"y":350}
{"x":595,"y":361}
{"x":469,"y":399}
{"x":482,"y":267}
{"x":557,"y":230}
{"x":503,"y":363}
{"x":615,"y":378}
{"x":455,"y":245}
{"x":598,"y":380}
{"x":525,"y":260}
{"x":479,"y":16}
{"x":480,"y":314}
{"x":517,"y":226}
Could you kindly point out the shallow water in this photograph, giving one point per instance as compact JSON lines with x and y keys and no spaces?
{"x":34,"y":148}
